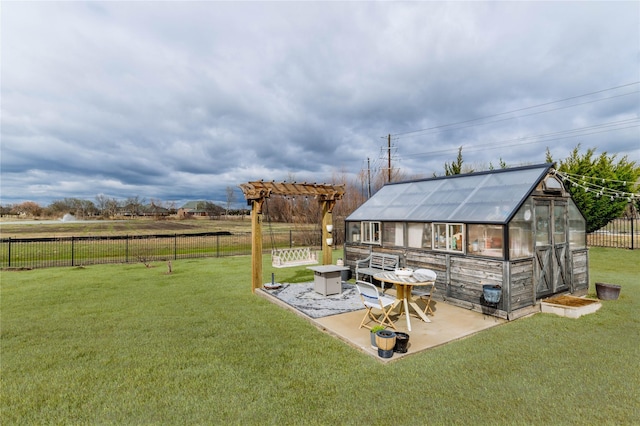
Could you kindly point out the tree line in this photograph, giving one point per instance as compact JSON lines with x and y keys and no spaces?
{"x":107,"y":207}
{"x":617,"y":176}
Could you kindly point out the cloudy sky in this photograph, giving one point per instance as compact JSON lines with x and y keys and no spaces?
{"x":176,"y":101}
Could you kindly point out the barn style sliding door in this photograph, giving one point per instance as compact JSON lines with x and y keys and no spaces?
{"x":551,"y":247}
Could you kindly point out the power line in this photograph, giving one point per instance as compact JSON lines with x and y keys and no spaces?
{"x":533,"y":113}
{"x":526,"y":140}
{"x":440,"y":127}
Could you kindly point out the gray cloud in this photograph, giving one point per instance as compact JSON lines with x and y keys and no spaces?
{"x":177,"y":101}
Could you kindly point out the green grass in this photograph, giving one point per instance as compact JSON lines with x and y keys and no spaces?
{"x":125,"y":344}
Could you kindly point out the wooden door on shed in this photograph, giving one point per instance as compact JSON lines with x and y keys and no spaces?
{"x":551,"y":247}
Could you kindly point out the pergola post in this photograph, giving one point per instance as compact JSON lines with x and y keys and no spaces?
{"x":256,"y":244}
{"x":327,"y":219}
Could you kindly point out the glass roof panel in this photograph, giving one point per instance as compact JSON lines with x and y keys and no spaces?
{"x":478,"y":197}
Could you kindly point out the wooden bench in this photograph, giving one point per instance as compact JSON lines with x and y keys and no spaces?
{"x":376,"y":263}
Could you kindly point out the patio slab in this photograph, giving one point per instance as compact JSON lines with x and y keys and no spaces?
{"x":449,"y":323}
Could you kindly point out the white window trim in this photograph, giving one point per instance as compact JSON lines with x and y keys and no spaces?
{"x":448,"y":237}
{"x":371,"y":229}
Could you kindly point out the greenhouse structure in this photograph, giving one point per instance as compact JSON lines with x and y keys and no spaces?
{"x":515,"y":229}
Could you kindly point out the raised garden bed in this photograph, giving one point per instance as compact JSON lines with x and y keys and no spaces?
{"x":569,"y":306}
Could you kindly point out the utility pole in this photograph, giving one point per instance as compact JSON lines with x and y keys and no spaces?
{"x":389,"y":156}
{"x":368,"y":178}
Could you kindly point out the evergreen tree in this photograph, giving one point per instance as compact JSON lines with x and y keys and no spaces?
{"x":588,"y":170}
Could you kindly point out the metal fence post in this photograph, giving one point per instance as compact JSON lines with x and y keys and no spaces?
{"x":72,"y":251}
{"x":633,"y":236}
{"x":9,"y":260}
{"x":175,"y":246}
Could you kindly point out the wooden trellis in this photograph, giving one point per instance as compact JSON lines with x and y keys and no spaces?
{"x":257,"y":192}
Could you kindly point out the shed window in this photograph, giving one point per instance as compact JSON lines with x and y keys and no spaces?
{"x":393,"y":234}
{"x":543,"y":230}
{"x":521,"y":233}
{"x":419,"y":235}
{"x":371,"y":232}
{"x":353,"y":232}
{"x":577,"y":233}
{"x":448,"y":236}
{"x":559,"y":221}
{"x":485,"y":240}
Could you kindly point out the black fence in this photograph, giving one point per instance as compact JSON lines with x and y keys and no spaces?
{"x":619,"y":233}
{"x":31,"y":253}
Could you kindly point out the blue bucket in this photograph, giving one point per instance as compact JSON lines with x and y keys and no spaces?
{"x":491,"y":293}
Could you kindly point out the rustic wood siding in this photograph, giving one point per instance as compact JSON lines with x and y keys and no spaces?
{"x":468,"y":275}
{"x":437,"y":262}
{"x":355,"y":252}
{"x":460,"y":278}
{"x":521,"y":291}
{"x":580,"y":267}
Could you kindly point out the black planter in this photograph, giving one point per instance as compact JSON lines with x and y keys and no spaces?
{"x":402,"y":340}
{"x":385,"y":353}
{"x":607,"y":291}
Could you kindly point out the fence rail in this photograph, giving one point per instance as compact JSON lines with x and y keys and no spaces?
{"x":619,"y":233}
{"x":34,"y":253}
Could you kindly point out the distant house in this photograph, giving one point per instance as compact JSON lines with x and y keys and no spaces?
{"x":197,"y":209}
{"x":193,"y":208}
{"x":154,"y":210}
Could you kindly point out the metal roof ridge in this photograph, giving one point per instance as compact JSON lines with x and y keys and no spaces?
{"x":483,"y":172}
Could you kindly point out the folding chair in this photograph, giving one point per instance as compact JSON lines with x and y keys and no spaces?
{"x":425,"y":292}
{"x":372,"y":299}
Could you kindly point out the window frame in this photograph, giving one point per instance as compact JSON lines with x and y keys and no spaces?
{"x":368,"y":230}
{"x":448,"y":240}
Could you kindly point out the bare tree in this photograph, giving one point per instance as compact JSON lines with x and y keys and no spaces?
{"x":231,"y":198}
{"x":133,"y":205}
{"x":102,"y":201}
{"x":28,"y":208}
{"x":111,"y":207}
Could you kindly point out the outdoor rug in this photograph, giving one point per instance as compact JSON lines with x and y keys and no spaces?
{"x":304,"y":298}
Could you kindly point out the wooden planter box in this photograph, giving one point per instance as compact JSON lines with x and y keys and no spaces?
{"x":569,"y":306}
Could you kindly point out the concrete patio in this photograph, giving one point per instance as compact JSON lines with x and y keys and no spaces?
{"x":449,"y":323}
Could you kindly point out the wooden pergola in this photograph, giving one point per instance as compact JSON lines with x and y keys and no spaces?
{"x":257,"y":192}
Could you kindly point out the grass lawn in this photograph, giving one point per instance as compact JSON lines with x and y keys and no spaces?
{"x":125,"y":344}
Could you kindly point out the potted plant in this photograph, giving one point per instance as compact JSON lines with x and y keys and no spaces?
{"x":374,"y":330}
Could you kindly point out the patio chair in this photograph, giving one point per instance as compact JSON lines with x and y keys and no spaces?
{"x":425,"y":292}
{"x":372,"y":299}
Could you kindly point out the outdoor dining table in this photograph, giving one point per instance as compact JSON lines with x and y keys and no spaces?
{"x":404,"y":284}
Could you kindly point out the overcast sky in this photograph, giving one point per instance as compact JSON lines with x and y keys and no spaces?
{"x":176,"y":101}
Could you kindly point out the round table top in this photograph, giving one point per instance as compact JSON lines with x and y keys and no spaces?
{"x":414,"y":279}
